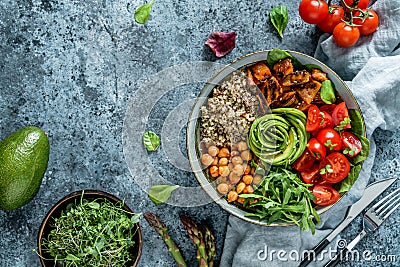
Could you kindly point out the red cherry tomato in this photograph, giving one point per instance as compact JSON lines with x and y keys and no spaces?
{"x":351,"y":144}
{"x":330,"y":138}
{"x":327,"y":121}
{"x":361,"y":4}
{"x":339,"y":114}
{"x":325,"y":195}
{"x":311,"y":176}
{"x":336,"y":167}
{"x":313,"y":118}
{"x":328,"y":108}
{"x":304,"y":162}
{"x":317,"y":149}
{"x":313,"y":11}
{"x":335,"y":15}
{"x":369,"y":25}
{"x":345,"y":35}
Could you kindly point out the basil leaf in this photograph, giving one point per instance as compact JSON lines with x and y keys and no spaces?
{"x":142,"y":13}
{"x":351,"y":178}
{"x":328,"y":92}
{"x":310,"y":67}
{"x":161,"y":193}
{"x":277,"y":54}
{"x":357,"y":124}
{"x":279,"y":18}
{"x":151,"y":141}
{"x":364,"y":150}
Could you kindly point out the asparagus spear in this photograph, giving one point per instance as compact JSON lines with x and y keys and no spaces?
{"x":161,"y":229}
{"x":210,"y":245}
{"x":199,"y":240}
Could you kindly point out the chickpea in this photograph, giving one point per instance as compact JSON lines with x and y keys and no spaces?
{"x":235,"y":153}
{"x":223,"y":162}
{"x":221,"y":180}
{"x":223,"y":171}
{"x":242,"y":145}
{"x":241,"y":200}
{"x":213,"y":151}
{"x":232,"y":196}
{"x":238,"y":169}
{"x":233,"y":178}
{"x":206,"y":159}
{"x":230,"y":166}
{"x":223,"y":189}
{"x":237,"y":160}
{"x":247,"y":169}
{"x":248,"y":189}
{"x":234,"y":147}
{"x":215,"y":162}
{"x":224,"y":153}
{"x":257,"y":179}
{"x":240,"y":187}
{"x":214,"y":171}
{"x":247,"y":179}
{"x":246,"y":155}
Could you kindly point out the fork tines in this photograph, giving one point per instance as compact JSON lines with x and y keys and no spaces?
{"x":387,"y":205}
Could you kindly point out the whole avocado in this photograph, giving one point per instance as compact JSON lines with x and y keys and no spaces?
{"x":23,"y":161}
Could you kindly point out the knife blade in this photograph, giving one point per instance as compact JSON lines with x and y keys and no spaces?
{"x":371,"y":192}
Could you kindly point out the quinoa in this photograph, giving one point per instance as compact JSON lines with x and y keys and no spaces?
{"x":228,"y":114}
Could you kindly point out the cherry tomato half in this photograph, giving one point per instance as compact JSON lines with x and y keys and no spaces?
{"x":317,"y":149}
{"x":339,"y":114}
{"x":313,"y":118}
{"x":351,"y":144}
{"x":304,"y":162}
{"x":335,"y":15}
{"x":330,"y":139}
{"x":336,"y":167}
{"x":311,"y":176}
{"x":345,"y":35}
{"x":361,"y":4}
{"x":313,"y":11}
{"x":325,"y":195}
{"x":369,"y":25}
{"x":327,"y":121}
{"x":328,"y":108}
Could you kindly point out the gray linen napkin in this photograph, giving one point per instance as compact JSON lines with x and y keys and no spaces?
{"x":373,"y":66}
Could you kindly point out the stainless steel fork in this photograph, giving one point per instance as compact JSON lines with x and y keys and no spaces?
{"x":372,"y":219}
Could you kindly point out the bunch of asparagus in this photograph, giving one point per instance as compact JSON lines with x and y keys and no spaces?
{"x":201,"y":236}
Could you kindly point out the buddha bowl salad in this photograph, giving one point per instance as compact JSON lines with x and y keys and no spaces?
{"x":277,"y":140}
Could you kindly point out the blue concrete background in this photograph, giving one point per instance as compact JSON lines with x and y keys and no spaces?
{"x":70,"y":68}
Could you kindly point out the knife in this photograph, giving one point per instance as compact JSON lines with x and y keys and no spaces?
{"x":371,"y":192}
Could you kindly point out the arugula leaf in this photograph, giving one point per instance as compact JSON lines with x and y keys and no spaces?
{"x":328,"y":92}
{"x":279,"y":18}
{"x":160,"y":193}
{"x":142,"y":13}
{"x":151,"y":141}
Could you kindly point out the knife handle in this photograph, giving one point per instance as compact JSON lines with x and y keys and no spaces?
{"x":338,"y":258}
{"x":314,"y":252}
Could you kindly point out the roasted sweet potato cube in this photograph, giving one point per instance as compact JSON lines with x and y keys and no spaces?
{"x":318,"y":75}
{"x":308,"y":91}
{"x":283,"y":68}
{"x":297,"y":77}
{"x":261,"y":71}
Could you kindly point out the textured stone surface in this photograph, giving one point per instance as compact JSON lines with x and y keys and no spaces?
{"x":70,"y":68}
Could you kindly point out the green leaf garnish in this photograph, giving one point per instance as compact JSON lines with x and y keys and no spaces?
{"x":343,"y":124}
{"x":160,"y":193}
{"x":142,"y":13}
{"x":279,"y":18}
{"x":328,"y":92}
{"x":151,"y":141}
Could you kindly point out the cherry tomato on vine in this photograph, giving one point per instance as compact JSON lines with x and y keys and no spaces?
{"x":311,"y":176}
{"x":369,"y":25}
{"x":334,"y":17}
{"x":351,"y":144}
{"x":317,"y":149}
{"x":339,"y":114}
{"x":345,"y":35}
{"x":334,"y":168}
{"x":330,"y":139}
{"x":313,"y":118}
{"x":313,"y":11}
{"x":361,"y":4}
{"x":325,"y":195}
